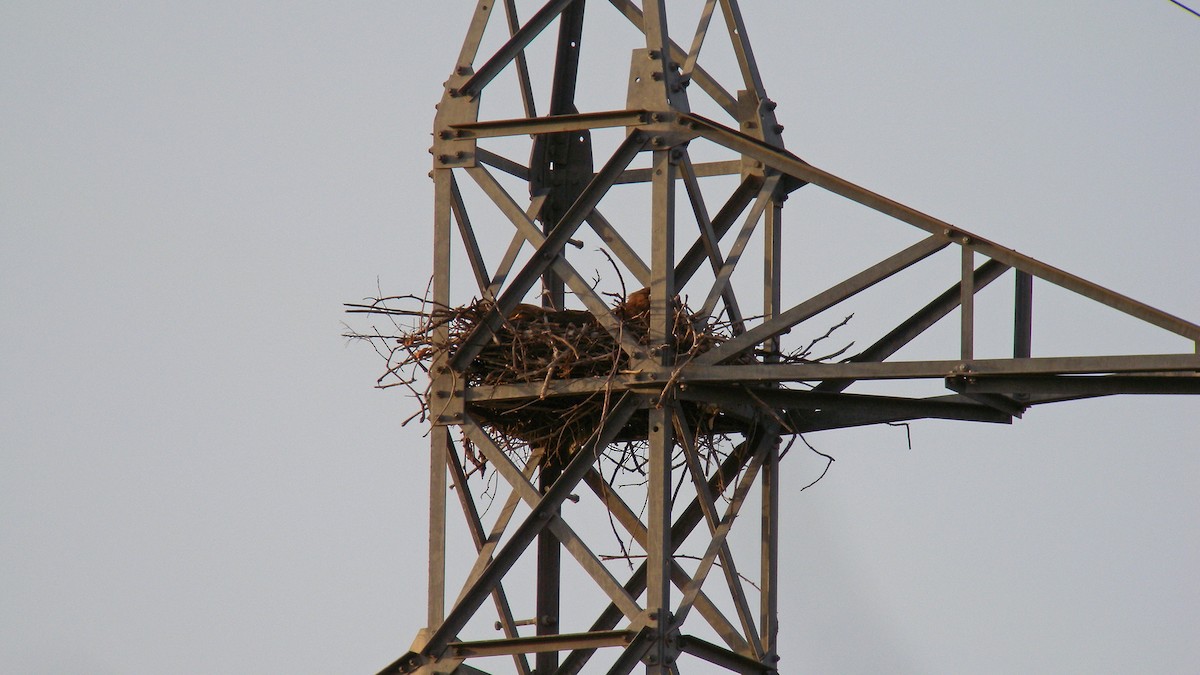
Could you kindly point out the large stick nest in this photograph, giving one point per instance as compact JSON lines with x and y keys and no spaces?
{"x":536,"y":345}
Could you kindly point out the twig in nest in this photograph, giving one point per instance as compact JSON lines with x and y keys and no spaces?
{"x":907,"y":430}
{"x":804,"y":355}
{"x":828,"y":463}
{"x":620,"y":277}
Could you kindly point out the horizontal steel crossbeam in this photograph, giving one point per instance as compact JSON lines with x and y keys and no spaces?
{"x":539,"y":643}
{"x":1076,"y":385}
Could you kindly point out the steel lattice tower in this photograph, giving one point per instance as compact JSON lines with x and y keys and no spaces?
{"x":658,"y":142}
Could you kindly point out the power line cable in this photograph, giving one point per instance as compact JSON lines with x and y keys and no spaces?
{"x":1180,"y":4}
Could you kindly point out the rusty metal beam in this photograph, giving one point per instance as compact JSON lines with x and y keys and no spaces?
{"x":540,"y":644}
{"x":731,"y":167}
{"x":1023,"y":316}
{"x":1059,"y":365}
{"x":724,"y":658}
{"x":505,"y":164}
{"x":550,"y":125}
{"x":1076,"y":385}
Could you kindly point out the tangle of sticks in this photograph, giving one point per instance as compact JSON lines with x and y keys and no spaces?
{"x":537,"y":345}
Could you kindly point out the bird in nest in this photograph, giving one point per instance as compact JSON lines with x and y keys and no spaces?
{"x":636,"y":304}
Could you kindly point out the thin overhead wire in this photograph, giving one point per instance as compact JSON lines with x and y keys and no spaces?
{"x":1180,"y":4}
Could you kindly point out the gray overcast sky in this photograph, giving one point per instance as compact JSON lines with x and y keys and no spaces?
{"x":197,"y":477}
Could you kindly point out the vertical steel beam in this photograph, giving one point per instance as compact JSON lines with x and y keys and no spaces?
{"x":549,"y":570}
{"x":560,"y":166}
{"x":654,"y":23}
{"x":772,"y":271}
{"x":566,"y":64}
{"x":769,"y":562}
{"x":768,"y":621}
{"x":658,"y":544}
{"x":967,"y":303}
{"x":659,"y":46}
{"x":662,"y":254}
{"x":439,"y":438}
{"x":662,"y":322}
{"x":1023,"y":316}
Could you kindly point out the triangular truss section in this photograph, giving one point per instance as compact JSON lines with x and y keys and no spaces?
{"x":703,"y":429}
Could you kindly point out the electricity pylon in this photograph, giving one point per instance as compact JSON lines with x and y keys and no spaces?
{"x":656,"y":145}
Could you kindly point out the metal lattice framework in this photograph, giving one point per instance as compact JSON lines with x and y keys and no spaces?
{"x":760,"y":398}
